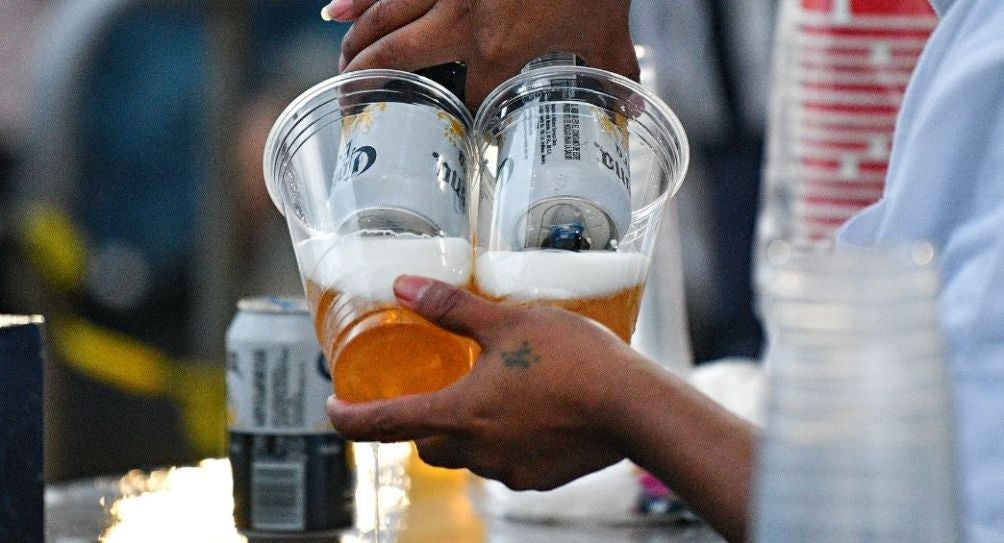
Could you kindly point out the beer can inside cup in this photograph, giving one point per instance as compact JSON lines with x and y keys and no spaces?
{"x":600,"y":142}
{"x":576,"y":164}
{"x":370,"y":141}
{"x":370,"y":170}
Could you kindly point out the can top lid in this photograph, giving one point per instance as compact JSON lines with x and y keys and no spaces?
{"x":274,"y":305}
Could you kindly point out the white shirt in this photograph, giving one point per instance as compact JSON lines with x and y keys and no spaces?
{"x":946,"y":185}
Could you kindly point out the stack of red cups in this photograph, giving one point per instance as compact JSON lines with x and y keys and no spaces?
{"x":842,"y":67}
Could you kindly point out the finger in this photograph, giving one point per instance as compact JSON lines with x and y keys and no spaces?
{"x":453,"y":308}
{"x":400,"y":419}
{"x":380,"y":20}
{"x":417,"y":45}
{"x":345,"y":10}
{"x":442,"y":452}
{"x":625,"y":64}
{"x":451,"y":453}
{"x":483,"y":78}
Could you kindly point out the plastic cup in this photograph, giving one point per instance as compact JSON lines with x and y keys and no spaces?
{"x":577,"y":164}
{"x":858,"y":443}
{"x":370,"y":170}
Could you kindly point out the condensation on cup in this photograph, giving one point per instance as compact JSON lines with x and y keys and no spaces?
{"x":370,"y":170}
{"x":576,"y":166}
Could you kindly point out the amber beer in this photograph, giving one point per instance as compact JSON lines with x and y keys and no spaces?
{"x":378,"y":349}
{"x":605,"y":286}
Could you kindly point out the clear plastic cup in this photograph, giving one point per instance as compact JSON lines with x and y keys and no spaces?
{"x":859,"y":442}
{"x":370,"y":170}
{"x":576,"y":166}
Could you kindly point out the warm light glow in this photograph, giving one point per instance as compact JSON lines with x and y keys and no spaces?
{"x":192,"y":504}
{"x":646,"y":65}
{"x":392,"y":491}
{"x":195,"y":504}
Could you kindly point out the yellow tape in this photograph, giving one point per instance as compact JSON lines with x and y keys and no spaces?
{"x":112,"y":357}
{"x":197,"y":388}
{"x":57,"y":250}
{"x":55,"y":247}
{"x":201,"y":394}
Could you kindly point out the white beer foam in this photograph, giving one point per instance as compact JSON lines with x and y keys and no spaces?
{"x":558,"y":275}
{"x":367,"y":267}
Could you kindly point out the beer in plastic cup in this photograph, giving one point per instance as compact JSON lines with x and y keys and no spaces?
{"x":576,"y":166}
{"x":370,"y":170}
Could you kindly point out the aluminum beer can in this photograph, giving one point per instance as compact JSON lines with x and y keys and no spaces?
{"x":563,"y":178}
{"x":401,"y":168}
{"x":292,"y":472}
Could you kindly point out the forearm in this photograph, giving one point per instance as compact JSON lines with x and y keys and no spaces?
{"x":703,"y":452}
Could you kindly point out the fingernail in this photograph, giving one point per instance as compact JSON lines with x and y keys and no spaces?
{"x":326,"y":13}
{"x":342,"y":62}
{"x":336,"y":10}
{"x":409,"y":289}
{"x":332,"y":402}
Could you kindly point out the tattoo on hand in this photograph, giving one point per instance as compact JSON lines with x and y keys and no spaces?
{"x":520,"y":358}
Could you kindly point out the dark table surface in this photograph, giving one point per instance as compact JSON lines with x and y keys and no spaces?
{"x":422,"y":505}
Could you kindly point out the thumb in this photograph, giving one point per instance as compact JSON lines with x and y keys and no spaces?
{"x":404,"y":418}
{"x":450,"y":307}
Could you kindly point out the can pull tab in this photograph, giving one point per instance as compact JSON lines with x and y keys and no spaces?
{"x":567,"y":237}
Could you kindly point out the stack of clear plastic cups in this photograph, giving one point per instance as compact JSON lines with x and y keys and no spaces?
{"x":841,"y":69}
{"x":858,"y":444}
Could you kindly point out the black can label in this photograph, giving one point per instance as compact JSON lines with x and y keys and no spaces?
{"x":292,"y":483}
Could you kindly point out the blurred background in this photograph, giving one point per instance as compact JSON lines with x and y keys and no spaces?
{"x":710,"y":60}
{"x":133,"y":213}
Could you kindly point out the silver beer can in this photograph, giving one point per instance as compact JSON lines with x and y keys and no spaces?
{"x":292,"y":472}
{"x":563,"y":178}
{"x":402,"y":168}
